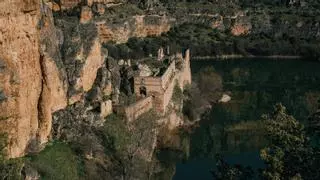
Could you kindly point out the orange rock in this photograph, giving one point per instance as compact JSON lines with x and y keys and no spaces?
{"x":132,"y":27}
{"x":89,"y":71}
{"x":68,"y":4}
{"x":86,"y":14}
{"x":21,"y":80}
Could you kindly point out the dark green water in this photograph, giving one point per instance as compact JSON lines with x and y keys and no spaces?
{"x":255,"y":85}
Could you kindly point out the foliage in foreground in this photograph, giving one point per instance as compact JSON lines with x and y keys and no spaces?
{"x":9,"y":168}
{"x":125,"y":141}
{"x":57,"y":161}
{"x":290,"y":155}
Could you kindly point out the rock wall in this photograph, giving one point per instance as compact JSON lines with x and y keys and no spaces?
{"x":136,"y":26}
{"x":133,"y":111}
{"x":68,"y":4}
{"x":54,"y":83}
{"x":37,"y":79}
{"x":20,"y":75}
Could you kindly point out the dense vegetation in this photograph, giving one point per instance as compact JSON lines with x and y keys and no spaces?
{"x":204,"y":41}
{"x":289,"y":155}
{"x":277,"y":28}
{"x":57,"y":161}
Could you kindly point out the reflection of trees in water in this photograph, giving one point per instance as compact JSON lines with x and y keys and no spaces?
{"x":168,"y":156}
{"x":257,"y":84}
{"x":221,"y":132}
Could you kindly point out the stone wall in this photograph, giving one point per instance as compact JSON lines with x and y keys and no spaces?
{"x":184,"y":75}
{"x":133,"y":111}
{"x":154,"y":85}
{"x":169,"y":74}
{"x":161,"y":88}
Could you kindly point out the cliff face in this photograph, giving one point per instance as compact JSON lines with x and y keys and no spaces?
{"x":21,"y":77}
{"x":36,"y":79}
{"x":137,"y":26}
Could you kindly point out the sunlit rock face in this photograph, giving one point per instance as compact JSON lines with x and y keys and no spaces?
{"x":68,"y":4}
{"x":136,"y":26}
{"x":242,"y":26}
{"x":20,"y":74}
{"x":92,"y":63}
{"x":34,"y":77}
{"x":86,"y":14}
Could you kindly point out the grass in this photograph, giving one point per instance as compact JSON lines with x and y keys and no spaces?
{"x":56,"y":162}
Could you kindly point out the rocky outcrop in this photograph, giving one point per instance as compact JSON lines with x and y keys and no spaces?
{"x":86,"y":14}
{"x":241,"y":26}
{"x":54,"y":83}
{"x":69,"y":4}
{"x":91,"y":65}
{"x":136,"y":26}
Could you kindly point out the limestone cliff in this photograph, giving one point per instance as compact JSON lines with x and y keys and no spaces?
{"x":21,"y":75}
{"x":136,"y":26}
{"x":37,"y":78}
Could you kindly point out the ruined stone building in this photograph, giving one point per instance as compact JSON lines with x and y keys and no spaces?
{"x":160,"y":88}
{"x":155,"y":91}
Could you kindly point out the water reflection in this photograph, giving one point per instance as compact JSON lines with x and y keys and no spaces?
{"x":233,"y":129}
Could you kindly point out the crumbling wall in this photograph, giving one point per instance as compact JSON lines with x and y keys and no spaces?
{"x":133,"y":111}
{"x":161,"y":88}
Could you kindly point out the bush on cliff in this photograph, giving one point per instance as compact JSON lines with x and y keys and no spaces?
{"x":177,"y":96}
{"x":57,"y":161}
{"x":124,"y":141}
{"x":9,"y":168}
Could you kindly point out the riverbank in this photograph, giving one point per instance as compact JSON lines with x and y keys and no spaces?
{"x":236,"y":56}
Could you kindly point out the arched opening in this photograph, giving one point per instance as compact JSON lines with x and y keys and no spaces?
{"x":143,"y":91}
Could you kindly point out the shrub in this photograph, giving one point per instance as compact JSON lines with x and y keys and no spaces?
{"x":177,"y":95}
{"x":9,"y":169}
{"x":56,"y":162}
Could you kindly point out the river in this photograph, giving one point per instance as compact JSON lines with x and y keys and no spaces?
{"x":233,"y":129}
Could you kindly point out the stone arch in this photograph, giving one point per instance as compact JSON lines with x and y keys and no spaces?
{"x":143,"y":91}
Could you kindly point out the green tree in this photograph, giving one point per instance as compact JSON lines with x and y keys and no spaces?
{"x":125,"y":141}
{"x":289,"y":154}
{"x":57,"y":162}
{"x":313,"y":126}
{"x":226,"y":171}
